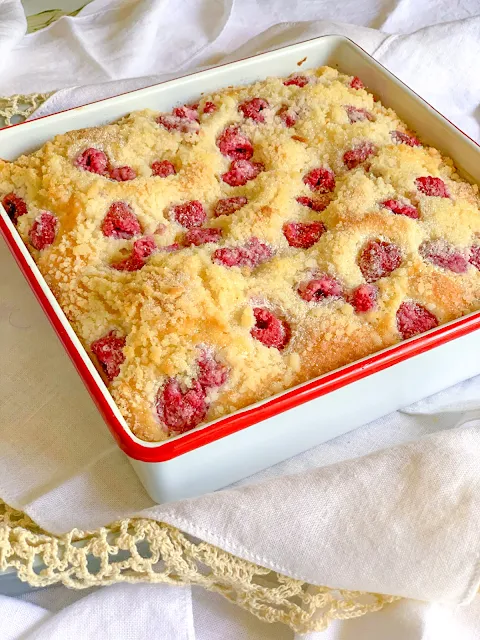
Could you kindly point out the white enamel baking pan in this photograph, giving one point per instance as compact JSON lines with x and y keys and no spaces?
{"x":215,"y":454}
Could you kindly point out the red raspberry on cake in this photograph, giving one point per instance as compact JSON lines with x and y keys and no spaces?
{"x":235,"y":145}
{"x":474,"y":257}
{"x":163,"y":168}
{"x":189,"y":112}
{"x":198,"y":236}
{"x":431,"y":186}
{"x":298,"y":81}
{"x":441,"y":254}
{"x":122,"y":174}
{"x":401,"y":209}
{"x":170,"y":248}
{"x":356,"y":156}
{"x":174,"y":123}
{"x":270,"y":330}
{"x":356,"y":83}
{"x":413,"y":318}
{"x":303,"y":235}
{"x":92,"y":160}
{"x":321,"y":180}
{"x":254,"y":109}
{"x":14,"y":206}
{"x":212,"y":374}
{"x":227,"y":206}
{"x":315,"y":204}
{"x":141,"y":250}
{"x":120,"y":222}
{"x":252,"y":254}
{"x":320,"y":287}
{"x":358,"y":115}
{"x":241,"y":172}
{"x":288,"y":116}
{"x":109,"y":353}
{"x":405,"y":138}
{"x":209,"y":107}
{"x":180,"y":408}
{"x":378,"y":259}
{"x":363,"y":298}
{"x":43,"y":231}
{"x":190,"y":214}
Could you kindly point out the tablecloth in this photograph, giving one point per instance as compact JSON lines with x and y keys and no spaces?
{"x":111,"y":49}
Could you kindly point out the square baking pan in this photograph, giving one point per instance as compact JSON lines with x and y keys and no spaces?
{"x":218,"y":453}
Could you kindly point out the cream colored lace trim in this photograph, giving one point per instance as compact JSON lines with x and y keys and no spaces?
{"x":138,"y":550}
{"x":19,"y":107}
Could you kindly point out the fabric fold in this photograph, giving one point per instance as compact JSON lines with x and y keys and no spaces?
{"x":361,"y":524}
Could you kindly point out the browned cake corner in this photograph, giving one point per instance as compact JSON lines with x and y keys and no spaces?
{"x":217,"y":255}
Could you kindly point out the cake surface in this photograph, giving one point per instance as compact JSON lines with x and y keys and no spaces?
{"x":219,"y":254}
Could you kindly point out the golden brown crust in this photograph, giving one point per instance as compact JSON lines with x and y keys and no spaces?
{"x":182,"y":301}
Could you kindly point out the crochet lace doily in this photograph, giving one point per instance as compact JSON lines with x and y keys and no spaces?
{"x":140,"y":550}
{"x":19,"y":107}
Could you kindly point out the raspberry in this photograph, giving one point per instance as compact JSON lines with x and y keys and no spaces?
{"x":405,"y":138}
{"x":254,"y":109}
{"x":92,"y":160}
{"x":475,"y":256}
{"x":363,"y":298}
{"x":401,"y":209}
{"x":209,"y":107}
{"x":169,"y":248}
{"x":319,"y":288}
{"x":298,"y":81}
{"x":235,"y":145}
{"x":43,"y":230}
{"x":431,"y":186}
{"x":250,"y":255}
{"x":142,"y":249}
{"x":190,"y":214}
{"x":189,"y":112}
{"x":356,"y":83}
{"x":109,"y":353}
{"x":353,"y":157}
{"x":443,"y":255}
{"x":120,"y":222}
{"x":412,"y":318}
{"x":14,"y":206}
{"x":178,"y":409}
{"x":122,"y":174}
{"x":303,"y":234}
{"x":358,"y":115}
{"x":379,"y":259}
{"x":288,"y":116}
{"x":241,"y":171}
{"x":317,"y":204}
{"x":320,"y":180}
{"x":227,"y":206}
{"x":198,"y":237}
{"x":174,"y":123}
{"x":163,"y":168}
{"x":212,"y":373}
{"x":270,"y":330}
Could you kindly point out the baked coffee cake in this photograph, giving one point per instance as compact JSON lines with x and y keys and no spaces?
{"x":213,"y":256}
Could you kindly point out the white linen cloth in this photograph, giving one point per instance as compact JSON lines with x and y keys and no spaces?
{"x":404,"y":520}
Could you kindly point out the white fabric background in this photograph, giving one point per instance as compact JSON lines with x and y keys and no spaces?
{"x":53,"y":418}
